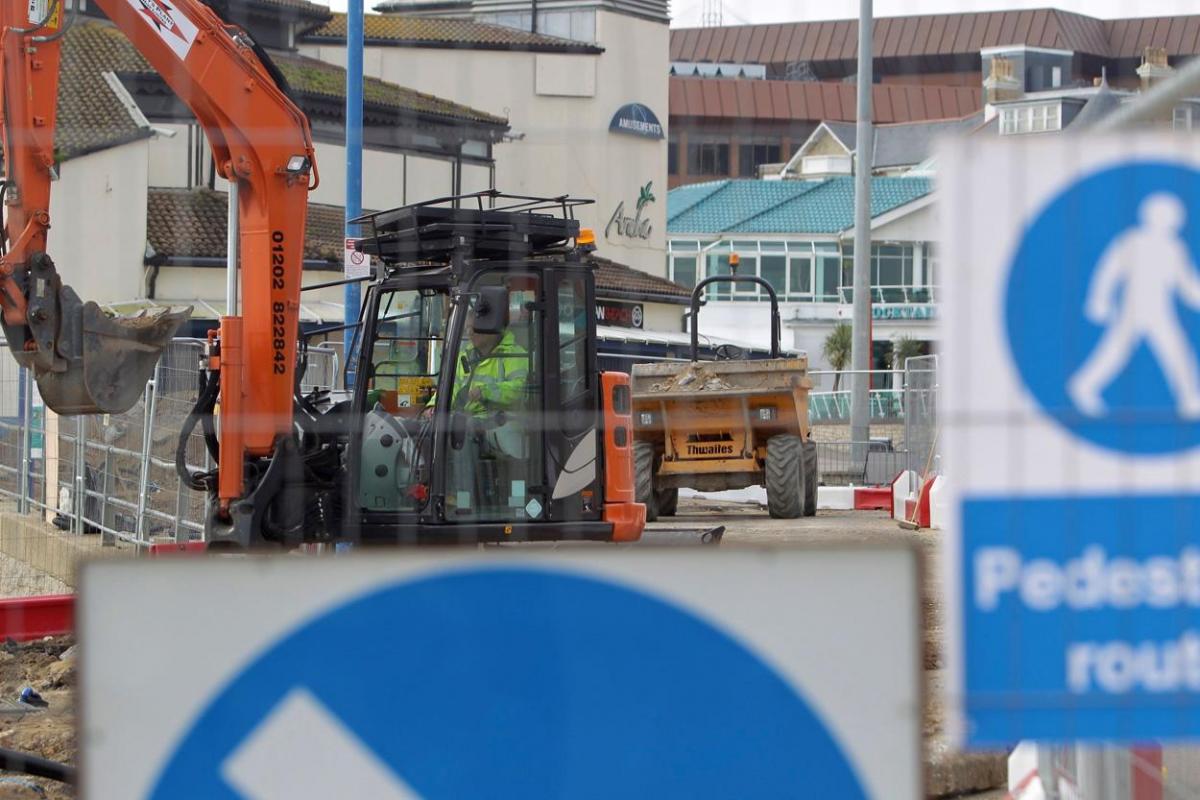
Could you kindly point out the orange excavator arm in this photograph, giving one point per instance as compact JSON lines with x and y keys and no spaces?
{"x":85,"y":361}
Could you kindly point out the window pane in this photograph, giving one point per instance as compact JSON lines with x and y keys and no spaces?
{"x":828,"y":272}
{"x":718,"y":264}
{"x":748,"y":266}
{"x":708,"y":158}
{"x":801,"y":277}
{"x":672,"y":157}
{"x":684,"y":270}
{"x":572,"y":339}
{"x":774,"y":272}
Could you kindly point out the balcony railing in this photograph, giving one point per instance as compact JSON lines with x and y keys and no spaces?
{"x":880,"y":295}
{"x":886,"y":404}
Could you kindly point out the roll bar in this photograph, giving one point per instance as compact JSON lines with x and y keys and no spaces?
{"x":699,"y":290}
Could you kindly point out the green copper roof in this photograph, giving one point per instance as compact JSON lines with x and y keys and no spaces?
{"x":758,"y":206}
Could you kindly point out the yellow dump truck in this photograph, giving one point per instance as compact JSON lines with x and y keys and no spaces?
{"x":725,"y":424}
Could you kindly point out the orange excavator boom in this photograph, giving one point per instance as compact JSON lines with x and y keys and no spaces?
{"x":87,"y":362}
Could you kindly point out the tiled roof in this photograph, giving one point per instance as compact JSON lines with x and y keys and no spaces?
{"x":399,"y":29}
{"x":1128,"y":38}
{"x":756,"y":206}
{"x":933,"y":35}
{"x":304,"y":8}
{"x":618,"y":280}
{"x":90,"y":116}
{"x":185,"y":223}
{"x":816,"y":100}
{"x":310,"y":76}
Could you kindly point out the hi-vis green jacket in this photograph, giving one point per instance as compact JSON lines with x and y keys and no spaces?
{"x":499,"y":376}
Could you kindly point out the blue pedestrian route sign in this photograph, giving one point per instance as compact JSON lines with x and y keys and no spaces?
{"x":592,"y":674}
{"x":1071,"y":396}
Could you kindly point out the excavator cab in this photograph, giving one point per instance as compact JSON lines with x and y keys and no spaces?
{"x":483,"y":414}
{"x":478,"y":413}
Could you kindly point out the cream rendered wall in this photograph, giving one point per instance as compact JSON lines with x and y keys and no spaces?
{"x":662,"y":317}
{"x":98,"y":222}
{"x":168,"y":157}
{"x":565,"y":146}
{"x":388,"y":177}
{"x":919,"y":226}
{"x":208,"y":283}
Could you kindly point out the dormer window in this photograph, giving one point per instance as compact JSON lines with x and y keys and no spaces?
{"x":1039,"y":118}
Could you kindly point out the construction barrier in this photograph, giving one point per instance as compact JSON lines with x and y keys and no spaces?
{"x":26,"y":618}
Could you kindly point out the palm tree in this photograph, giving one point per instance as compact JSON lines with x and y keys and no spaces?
{"x":904,"y":349}
{"x":837,"y":350}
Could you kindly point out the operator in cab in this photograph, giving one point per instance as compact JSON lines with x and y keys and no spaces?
{"x":490,"y":374}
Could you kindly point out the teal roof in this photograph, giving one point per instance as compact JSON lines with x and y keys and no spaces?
{"x":757,"y":206}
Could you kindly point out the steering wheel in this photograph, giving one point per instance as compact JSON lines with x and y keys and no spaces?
{"x":729,"y":352}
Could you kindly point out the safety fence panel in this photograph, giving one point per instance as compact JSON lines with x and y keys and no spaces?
{"x":115,"y":474}
{"x":920,"y":418}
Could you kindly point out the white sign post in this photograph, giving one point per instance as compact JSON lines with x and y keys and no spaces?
{"x":600,"y":673}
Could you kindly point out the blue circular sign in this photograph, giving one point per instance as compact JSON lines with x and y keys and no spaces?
{"x":1102,"y":308}
{"x":505,"y":682}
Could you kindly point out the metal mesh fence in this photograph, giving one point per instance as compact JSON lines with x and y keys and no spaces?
{"x":114,"y":474}
{"x":920,"y":414}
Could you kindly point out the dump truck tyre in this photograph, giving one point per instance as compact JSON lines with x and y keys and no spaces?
{"x":810,"y":479}
{"x":666,"y":502}
{"x":785,"y":476}
{"x":643,"y":478}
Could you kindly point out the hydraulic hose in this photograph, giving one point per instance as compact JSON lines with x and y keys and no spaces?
{"x":29,"y":764}
{"x":202,"y":411}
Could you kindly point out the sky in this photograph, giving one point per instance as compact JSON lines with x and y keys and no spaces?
{"x":687,"y":13}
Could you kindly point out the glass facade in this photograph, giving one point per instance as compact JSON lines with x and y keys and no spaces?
{"x":807,"y":271}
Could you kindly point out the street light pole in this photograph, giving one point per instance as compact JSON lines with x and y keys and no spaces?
{"x":354,"y":139}
{"x":860,"y":354}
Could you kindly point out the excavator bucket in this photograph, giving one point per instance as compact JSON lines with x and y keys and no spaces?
{"x":107,"y":359}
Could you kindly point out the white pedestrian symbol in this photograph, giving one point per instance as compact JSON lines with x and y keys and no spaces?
{"x":1133,"y":294}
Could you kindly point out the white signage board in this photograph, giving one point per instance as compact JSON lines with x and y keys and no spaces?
{"x":552,"y":673}
{"x":356,"y":264}
{"x":1070,"y":407}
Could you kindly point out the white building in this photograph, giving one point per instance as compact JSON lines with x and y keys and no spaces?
{"x":138,"y":211}
{"x":798,"y":235}
{"x":583,"y":97}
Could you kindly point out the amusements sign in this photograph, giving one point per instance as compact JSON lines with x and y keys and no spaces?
{"x":636,"y":119}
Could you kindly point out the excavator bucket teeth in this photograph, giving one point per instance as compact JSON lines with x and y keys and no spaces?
{"x":108,"y":359}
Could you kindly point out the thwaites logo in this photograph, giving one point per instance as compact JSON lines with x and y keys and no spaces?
{"x":710,"y":449}
{"x":174,"y":28}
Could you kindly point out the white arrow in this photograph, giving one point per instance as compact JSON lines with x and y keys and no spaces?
{"x":303,"y":750}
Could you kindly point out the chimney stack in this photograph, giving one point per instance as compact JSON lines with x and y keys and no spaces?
{"x":1002,"y":84}
{"x":1154,"y":68}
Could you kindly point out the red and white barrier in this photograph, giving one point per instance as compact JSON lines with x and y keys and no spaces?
{"x":920,"y":501}
{"x":854,"y":498}
{"x":903,"y":486}
{"x":26,"y":618}
{"x":939,"y":503}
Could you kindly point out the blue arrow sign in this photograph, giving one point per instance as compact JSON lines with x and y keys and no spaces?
{"x":508,"y":682}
